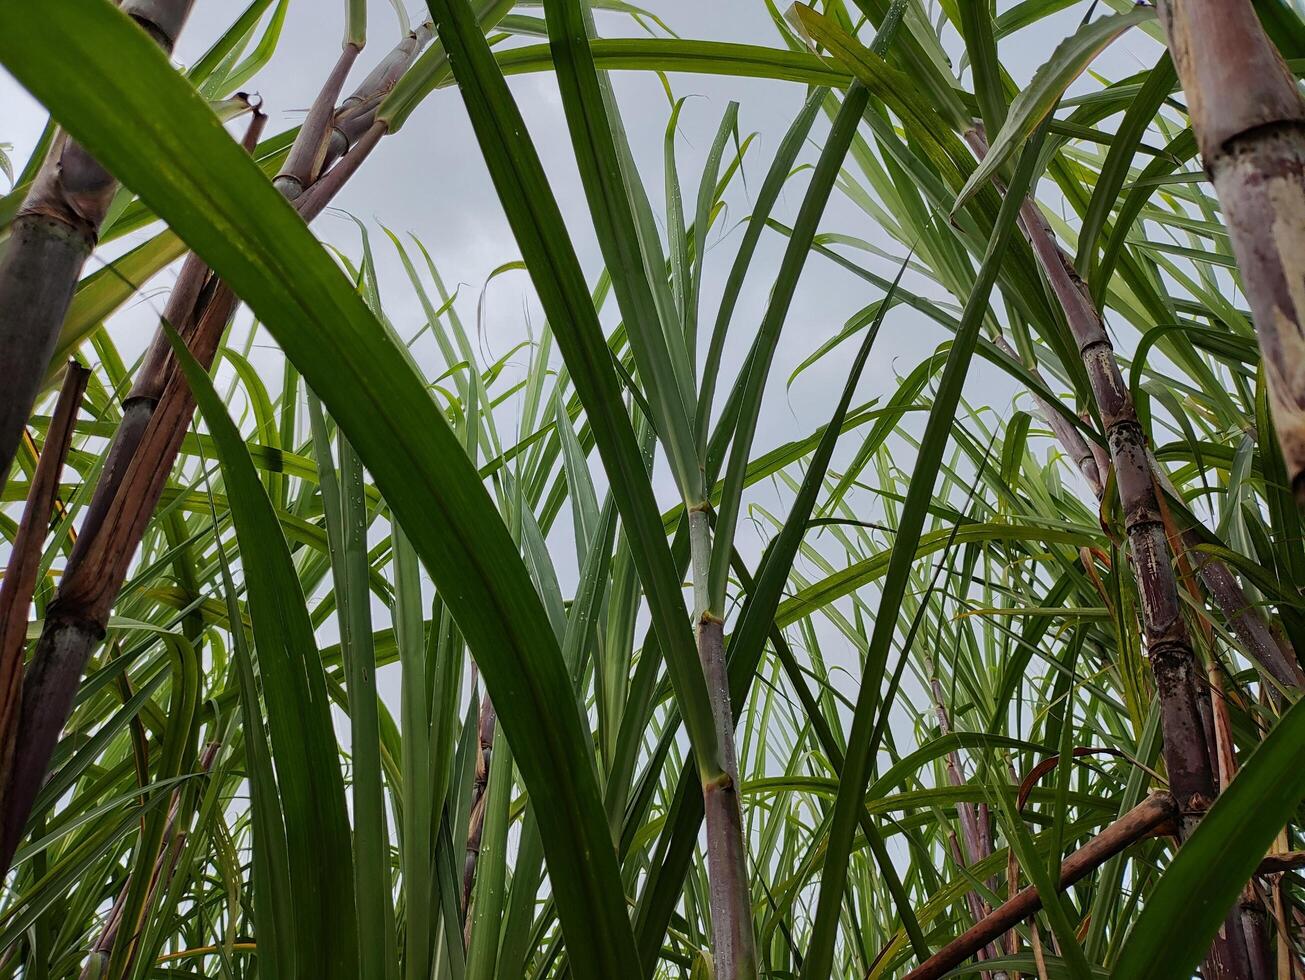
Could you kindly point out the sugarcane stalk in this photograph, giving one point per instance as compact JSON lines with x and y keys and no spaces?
{"x":304,"y":162}
{"x":76,"y":618}
{"x":165,"y":866}
{"x":19,"y":583}
{"x":194,"y":282}
{"x":1183,"y":710}
{"x":127,"y":496}
{"x":1264,"y":645}
{"x":1146,"y":819}
{"x":51,"y":237}
{"x":1249,"y":119}
{"x":476,"y":822}
{"x":357,"y":114}
{"x":734,"y":944}
{"x":975,"y":846}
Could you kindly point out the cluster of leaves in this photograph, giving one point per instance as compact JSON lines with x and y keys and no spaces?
{"x":936,"y":615}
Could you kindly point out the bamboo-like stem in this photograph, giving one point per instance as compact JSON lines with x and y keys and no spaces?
{"x":76,"y":619}
{"x":1144,"y":820}
{"x":735,"y":953}
{"x":308,"y":153}
{"x":165,"y":865}
{"x":1168,"y":645}
{"x":476,"y":823}
{"x":151,"y":438}
{"x":1184,"y":725}
{"x":976,"y":847}
{"x":51,"y":237}
{"x":357,"y":114}
{"x":194,"y":283}
{"x":1264,"y":645}
{"x":19,"y":583}
{"x":1249,"y":120}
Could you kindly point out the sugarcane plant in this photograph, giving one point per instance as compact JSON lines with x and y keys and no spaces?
{"x":393,"y":661}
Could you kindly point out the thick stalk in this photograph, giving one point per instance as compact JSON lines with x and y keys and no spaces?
{"x":51,"y":237}
{"x":76,"y":619}
{"x":304,"y":162}
{"x":19,"y":583}
{"x":1265,"y":646}
{"x":735,"y":953}
{"x":1173,"y":663}
{"x":1249,"y":120}
{"x":1144,"y":820}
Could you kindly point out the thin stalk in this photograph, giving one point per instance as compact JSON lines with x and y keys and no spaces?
{"x":734,"y":953}
{"x":19,"y":583}
{"x":1252,"y":910}
{"x":1145,"y":820}
{"x":1249,"y":120}
{"x":357,"y":114}
{"x":476,"y":822}
{"x":976,"y":847}
{"x":1069,"y":437}
{"x":1263,"y":644}
{"x":165,"y":866}
{"x":51,"y":237}
{"x":1169,"y":648}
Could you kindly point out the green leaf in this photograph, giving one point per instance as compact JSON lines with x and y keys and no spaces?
{"x":1038,"y":99}
{"x":537,"y":224}
{"x":302,"y":737}
{"x":150,"y":128}
{"x":1196,"y":892}
{"x":752,"y":380}
{"x":819,"y":959}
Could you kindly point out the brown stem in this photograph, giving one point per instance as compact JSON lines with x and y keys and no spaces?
{"x":1249,"y":120}
{"x":974,"y":843}
{"x":476,"y":825}
{"x":1266,"y":647}
{"x":191,"y":296}
{"x":307,"y":154}
{"x":1284,"y":861}
{"x":1069,"y":437}
{"x":165,"y":865}
{"x":19,"y":583}
{"x":1144,"y":820}
{"x":731,"y":906}
{"x":51,"y":237}
{"x":145,"y":449}
{"x":1168,"y":645}
{"x":1169,"y":648}
{"x":735,"y":953}
{"x":357,"y":113}
{"x":76,"y":619}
